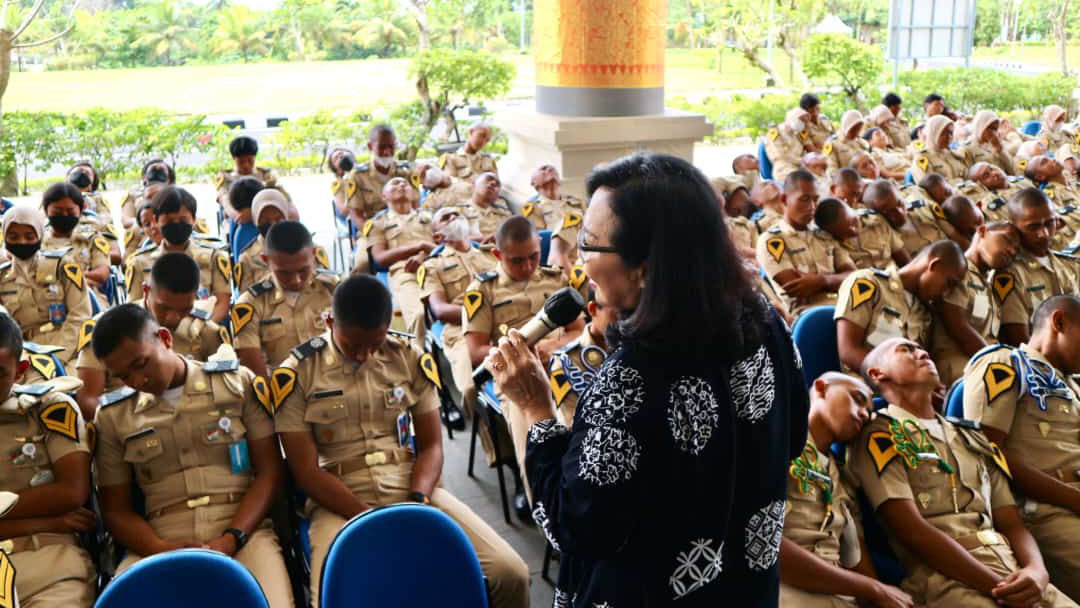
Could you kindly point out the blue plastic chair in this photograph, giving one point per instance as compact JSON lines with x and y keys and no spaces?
{"x":815,"y":336}
{"x":954,"y":402}
{"x":909,"y":179}
{"x":545,"y":245}
{"x":374,"y":559}
{"x":1031,"y":128}
{"x":184,"y":578}
{"x":764,"y":164}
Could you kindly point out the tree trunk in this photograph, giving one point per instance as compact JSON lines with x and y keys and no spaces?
{"x":796,"y":64}
{"x":297,"y":37}
{"x":751,"y":55}
{"x":5,"y":64}
{"x":418,"y":10}
{"x":1060,"y":32}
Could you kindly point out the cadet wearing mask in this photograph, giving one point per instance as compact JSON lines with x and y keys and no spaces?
{"x":63,"y":205}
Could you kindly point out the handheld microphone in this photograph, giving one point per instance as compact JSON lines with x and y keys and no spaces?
{"x":562,"y":308}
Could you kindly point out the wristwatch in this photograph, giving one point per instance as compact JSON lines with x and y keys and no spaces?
{"x":241,"y":538}
{"x":419,"y":497}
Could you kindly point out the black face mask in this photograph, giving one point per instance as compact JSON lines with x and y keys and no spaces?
{"x":177,"y":233}
{"x":263,"y":229}
{"x":23,"y":251}
{"x":157,"y":175}
{"x":346,"y":163}
{"x":80,"y":179}
{"x":63,"y":223}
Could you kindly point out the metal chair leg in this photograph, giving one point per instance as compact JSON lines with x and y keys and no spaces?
{"x":472,"y":439}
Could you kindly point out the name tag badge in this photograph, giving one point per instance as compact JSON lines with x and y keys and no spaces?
{"x":203,"y":293}
{"x":981,"y":307}
{"x":406,"y":438}
{"x":57,"y":314}
{"x":238,"y":457}
{"x":886,"y":327}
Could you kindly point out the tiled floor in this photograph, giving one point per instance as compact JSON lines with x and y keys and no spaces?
{"x":482,"y":494}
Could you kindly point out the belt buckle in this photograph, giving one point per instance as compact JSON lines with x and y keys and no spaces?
{"x":201,"y":501}
{"x":7,"y":546}
{"x":375,"y":458}
{"x":987,"y":537}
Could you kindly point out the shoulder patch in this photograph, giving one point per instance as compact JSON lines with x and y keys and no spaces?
{"x":560,"y":385}
{"x":430,"y":370}
{"x":262,"y":395}
{"x":221,"y":365}
{"x":321,"y":258}
{"x":922,"y":162}
{"x":225,"y":266}
{"x":827,"y":148}
{"x":282,"y":384}
{"x":473,"y":300}
{"x":1003,"y":285}
{"x":577,"y":277}
{"x":881,"y":448}
{"x":335,"y":186}
{"x":7,"y":582}
{"x":202,"y":315}
{"x":773,"y":134}
{"x":421,"y":275}
{"x":74,"y":274}
{"x":86,"y":333}
{"x":862,"y":290}
{"x":101,"y":244}
{"x":241,"y":315}
{"x":527,"y":209}
{"x":571,"y":220}
{"x":43,"y":364}
{"x":114,"y":397}
{"x":918,"y":144}
{"x":1000,"y":460}
{"x":309,"y":348}
{"x":368,"y":225}
{"x":775,"y":247}
{"x":998,"y":379}
{"x":61,"y":418}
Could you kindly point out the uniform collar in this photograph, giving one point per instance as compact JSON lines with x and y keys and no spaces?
{"x":932,"y":426}
{"x":504,"y":279}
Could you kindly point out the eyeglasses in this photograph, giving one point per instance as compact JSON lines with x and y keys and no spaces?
{"x":584,"y":248}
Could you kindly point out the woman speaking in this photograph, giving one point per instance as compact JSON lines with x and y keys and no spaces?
{"x":670,"y":488}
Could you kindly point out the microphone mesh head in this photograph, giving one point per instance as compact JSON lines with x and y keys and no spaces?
{"x":564,"y":306}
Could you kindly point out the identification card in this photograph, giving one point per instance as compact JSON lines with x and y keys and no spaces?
{"x":406,"y":438}
{"x":57,"y":314}
{"x":238,"y":457}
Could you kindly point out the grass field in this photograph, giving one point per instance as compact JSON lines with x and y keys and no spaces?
{"x":261,"y":88}
{"x":1046,"y":55}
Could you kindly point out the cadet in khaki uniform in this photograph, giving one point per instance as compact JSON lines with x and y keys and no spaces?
{"x":48,"y":468}
{"x":358,"y":416}
{"x":825,"y":564}
{"x":804,"y":264}
{"x":85,"y":177}
{"x":44,"y":291}
{"x":484,"y":210}
{"x":937,"y":157}
{"x":735,"y":197}
{"x":841,"y":149}
{"x":941,"y":488}
{"x":288,"y":307}
{"x":268,"y":208}
{"x":573,"y":367}
{"x":768,"y":197}
{"x":968,"y":317}
{"x":819,"y":127}
{"x":363,"y":186}
{"x":174,"y":213}
{"x":1026,"y":401}
{"x":995,"y":190}
{"x":898,"y":129}
{"x":786,"y":143}
{"x":400,"y":239}
{"x":243,"y":150}
{"x":63,"y":206}
{"x":868,"y":238}
{"x":154,"y":171}
{"x":1051,"y":132}
{"x":1036,"y":272}
{"x":469,"y":162}
{"x":985,"y":145}
{"x":560,"y":213}
{"x":875,"y":305}
{"x":443,"y":190}
{"x":198,"y":440}
{"x":1064,"y":197}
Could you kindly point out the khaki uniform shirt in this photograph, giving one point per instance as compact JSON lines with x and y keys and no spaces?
{"x":1025,"y":283}
{"x":42,"y":364}
{"x":562,"y":217}
{"x":766,"y":219}
{"x":364,"y":185}
{"x":495,"y":303}
{"x":899,"y":134}
{"x":224,"y":180}
{"x":130,"y":204}
{"x":274,"y":321}
{"x":811,"y":251}
{"x":876,"y":242}
{"x":890,"y":160}
{"x":876,"y":301}
{"x":1055,"y":140}
{"x":573,"y":369}
{"x":887,"y":468}
{"x":485,"y":220}
{"x":839,"y":152}
{"x":785,"y":150}
{"x":468,"y":167}
{"x":352,"y":411}
{"x":820,"y":509}
{"x":948,"y":163}
{"x":974,"y":296}
{"x":89,"y":247}
{"x":250,"y":269}
{"x":926,"y":224}
{"x":983,"y":152}
{"x":1066,"y":202}
{"x":394,"y":230}
{"x":450,"y":272}
{"x":215,"y":269}
{"x":177,"y":450}
{"x":820,"y":131}
{"x":743,"y":232}
{"x":47,"y":296}
{"x":459,"y":192}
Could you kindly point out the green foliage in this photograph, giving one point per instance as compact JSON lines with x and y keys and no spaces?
{"x":448,"y":80}
{"x":752,"y":117}
{"x":30,"y":140}
{"x":841,"y":60}
{"x":314,"y":134}
{"x":968,"y":90}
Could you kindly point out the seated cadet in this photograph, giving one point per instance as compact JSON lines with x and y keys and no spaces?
{"x":558,"y":212}
{"x":44,"y":291}
{"x":268,"y":208}
{"x":961,"y":220}
{"x":865,"y":165}
{"x":286,"y":308}
{"x":469,"y":162}
{"x":786,"y":143}
{"x":169,"y":296}
{"x":1052,"y":131}
{"x":1049,"y":174}
{"x":985,"y":145}
{"x":738,"y":208}
{"x":1069,"y":157}
{"x":358,"y":417}
{"x":197,"y":439}
{"x":817,"y":125}
{"x":847,"y":185}
{"x":875,"y":305}
{"x":400,"y":239}
{"x":839,"y":149}
{"x":573,"y":367}
{"x":748,"y":169}
{"x":1011,"y":139}
{"x":941,"y":489}
{"x":769,"y":199}
{"x":154,"y":171}
{"x":443,"y":278}
{"x":868,"y":238}
{"x":49,"y":469}
{"x":145,"y":232}
{"x":362,"y":194}
{"x":924,"y":219}
{"x":505,"y":299}
{"x":243,"y":150}
{"x":938,"y":157}
{"x":174,"y":213}
{"x":891,"y":163}
{"x":1026,"y":400}
{"x":443,"y":190}
{"x":85,"y":177}
{"x":823,"y":561}
{"x":63,"y":206}
{"x":968,"y":317}
{"x":818,"y":166}
{"x":994,"y":190}
{"x":241,"y":193}
{"x":804,"y":264}
{"x":897,"y":129}
{"x":1036,"y":272}
{"x":485,"y":211}
{"x":1027,"y":151}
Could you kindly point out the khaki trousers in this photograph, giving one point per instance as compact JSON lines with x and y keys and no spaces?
{"x":457,"y":351}
{"x":793,"y":597}
{"x":55,"y":576}
{"x":1057,"y":530}
{"x":407,"y":295}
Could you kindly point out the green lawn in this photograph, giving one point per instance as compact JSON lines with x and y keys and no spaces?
{"x":260,"y":88}
{"x":1031,"y":54}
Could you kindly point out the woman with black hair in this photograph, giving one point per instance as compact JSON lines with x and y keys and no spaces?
{"x":85,"y":177}
{"x":671,"y":484}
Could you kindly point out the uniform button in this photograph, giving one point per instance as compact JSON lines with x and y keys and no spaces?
{"x":200,"y":386}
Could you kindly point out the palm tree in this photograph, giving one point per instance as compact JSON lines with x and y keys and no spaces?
{"x":239,"y":30}
{"x":166,"y":34}
{"x":382,"y":35}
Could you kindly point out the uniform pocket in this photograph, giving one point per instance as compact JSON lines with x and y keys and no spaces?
{"x":142,"y":446}
{"x":327,"y":417}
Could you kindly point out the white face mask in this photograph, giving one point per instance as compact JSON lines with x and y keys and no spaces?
{"x":798,"y":126}
{"x":383,"y":162}
{"x":433,"y":177}
{"x":457,"y":230}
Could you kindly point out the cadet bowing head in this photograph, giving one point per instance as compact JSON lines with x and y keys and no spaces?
{"x":243,"y":191}
{"x":136,"y":349}
{"x":290,"y":254}
{"x":1055,"y":332}
{"x":517,"y":246}
{"x":1030,"y":212}
{"x":10,"y":353}
{"x":360,"y":317}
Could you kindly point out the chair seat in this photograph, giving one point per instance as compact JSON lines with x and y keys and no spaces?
{"x":184,"y":578}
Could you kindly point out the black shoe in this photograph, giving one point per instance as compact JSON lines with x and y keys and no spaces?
{"x":521,"y":506}
{"x":455,"y":420}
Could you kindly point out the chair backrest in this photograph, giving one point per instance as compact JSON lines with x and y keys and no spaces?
{"x":909,"y":179}
{"x":545,"y":245}
{"x":764,"y":164}
{"x":184,"y":578}
{"x":815,"y":336}
{"x":954,"y":403}
{"x":374,"y":559}
{"x":1031,"y":128}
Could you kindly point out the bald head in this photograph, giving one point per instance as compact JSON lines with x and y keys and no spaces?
{"x":1067,"y":305}
{"x":879,"y":191}
{"x":1028,"y":198}
{"x":947,"y":253}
